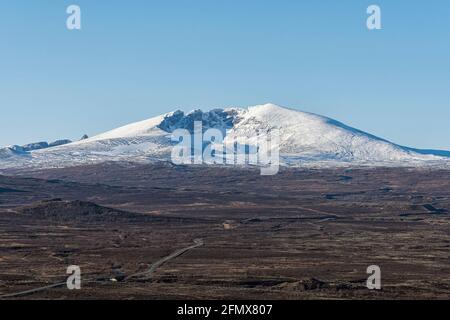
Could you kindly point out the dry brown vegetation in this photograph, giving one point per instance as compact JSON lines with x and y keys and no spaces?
{"x":302,"y":234}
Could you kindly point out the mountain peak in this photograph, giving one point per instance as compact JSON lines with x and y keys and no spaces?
{"x":269,"y":107}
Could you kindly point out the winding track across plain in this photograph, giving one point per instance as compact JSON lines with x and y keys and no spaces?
{"x":147,"y":274}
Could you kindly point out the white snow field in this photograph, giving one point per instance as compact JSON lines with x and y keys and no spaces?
{"x":306,"y":139}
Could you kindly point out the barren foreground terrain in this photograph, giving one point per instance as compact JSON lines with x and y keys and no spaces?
{"x":166,"y":232}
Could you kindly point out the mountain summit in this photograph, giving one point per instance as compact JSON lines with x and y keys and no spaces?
{"x":305,"y":139}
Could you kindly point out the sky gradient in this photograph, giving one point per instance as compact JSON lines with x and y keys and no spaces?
{"x":133,"y":60}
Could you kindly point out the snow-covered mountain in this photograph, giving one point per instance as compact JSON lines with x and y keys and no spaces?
{"x":305,"y":139}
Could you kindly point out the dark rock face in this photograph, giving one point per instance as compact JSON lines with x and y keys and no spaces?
{"x":216,"y":118}
{"x":16,"y":150}
{"x":84,"y":137}
{"x":59,"y":143}
{"x":35,"y":146}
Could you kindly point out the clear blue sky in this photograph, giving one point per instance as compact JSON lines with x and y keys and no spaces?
{"x":136,"y":59}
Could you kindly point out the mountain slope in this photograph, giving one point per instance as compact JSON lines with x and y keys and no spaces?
{"x":305,"y":139}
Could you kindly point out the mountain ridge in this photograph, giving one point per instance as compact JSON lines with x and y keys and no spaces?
{"x":305,"y":139}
